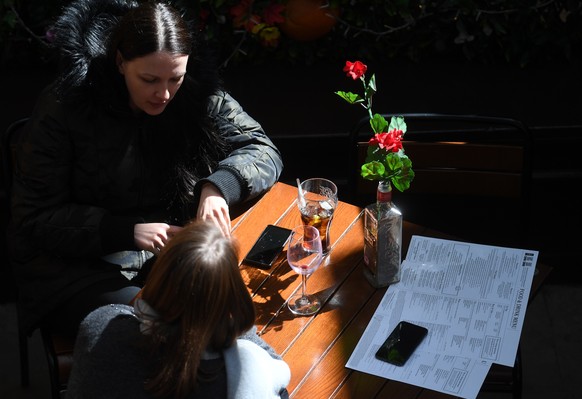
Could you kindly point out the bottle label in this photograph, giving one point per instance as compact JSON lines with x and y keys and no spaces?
{"x":370,"y":234}
{"x":384,"y":196}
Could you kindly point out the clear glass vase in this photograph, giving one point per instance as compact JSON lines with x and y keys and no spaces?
{"x":382,"y":238}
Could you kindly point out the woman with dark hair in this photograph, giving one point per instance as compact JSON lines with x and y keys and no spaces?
{"x":133,"y":140}
{"x":191,"y":334}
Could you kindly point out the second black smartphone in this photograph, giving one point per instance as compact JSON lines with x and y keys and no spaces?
{"x":268,"y":246}
{"x":401,"y":342}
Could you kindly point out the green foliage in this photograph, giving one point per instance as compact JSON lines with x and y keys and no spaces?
{"x":387,"y":165}
{"x":379,"y":124}
{"x":385,"y":157}
{"x":351,"y":98}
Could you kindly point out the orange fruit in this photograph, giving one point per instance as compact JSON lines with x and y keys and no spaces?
{"x":307,"y":20}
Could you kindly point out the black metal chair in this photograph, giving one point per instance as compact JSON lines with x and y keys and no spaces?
{"x":58,"y":348}
{"x":473,"y":175}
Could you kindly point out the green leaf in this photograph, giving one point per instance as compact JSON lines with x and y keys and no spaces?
{"x":370,"y":88}
{"x":378,"y":123}
{"x":373,"y":170}
{"x":352,"y":98}
{"x":374,"y":153}
{"x":397,"y":122}
{"x":402,"y":182}
{"x":395,"y":166}
{"x":404,"y":178}
{"x":393,"y":161}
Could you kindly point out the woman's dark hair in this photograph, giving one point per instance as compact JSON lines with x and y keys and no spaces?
{"x":203,"y":303}
{"x":89,"y":33}
{"x":149,"y":28}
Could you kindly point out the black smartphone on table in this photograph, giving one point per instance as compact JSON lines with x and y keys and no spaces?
{"x":401,"y":342}
{"x":267,"y":247}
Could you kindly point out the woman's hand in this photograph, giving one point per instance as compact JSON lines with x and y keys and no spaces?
{"x":153,"y":236}
{"x":213,"y":207}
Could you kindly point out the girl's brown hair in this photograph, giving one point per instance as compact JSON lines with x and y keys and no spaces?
{"x":196,"y":287}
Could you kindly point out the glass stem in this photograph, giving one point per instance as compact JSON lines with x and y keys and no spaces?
{"x":304,"y":285}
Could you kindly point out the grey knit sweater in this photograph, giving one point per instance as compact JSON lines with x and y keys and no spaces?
{"x":109,"y":361}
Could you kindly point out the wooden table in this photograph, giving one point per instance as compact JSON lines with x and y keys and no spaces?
{"x":318,"y":347}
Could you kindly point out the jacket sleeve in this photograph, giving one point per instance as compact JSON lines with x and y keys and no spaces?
{"x":254,"y":163}
{"x":44,"y":211}
{"x":251,"y":373}
{"x":253,"y":336}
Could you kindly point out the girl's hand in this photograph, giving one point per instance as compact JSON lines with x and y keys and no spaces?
{"x":153,"y":236}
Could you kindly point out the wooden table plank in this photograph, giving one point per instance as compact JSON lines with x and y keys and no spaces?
{"x":337,"y":348}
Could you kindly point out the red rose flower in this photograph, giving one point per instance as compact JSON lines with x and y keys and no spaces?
{"x":391,"y":141}
{"x":355,"y":70}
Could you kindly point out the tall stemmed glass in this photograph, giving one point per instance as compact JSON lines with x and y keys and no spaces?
{"x":304,"y":255}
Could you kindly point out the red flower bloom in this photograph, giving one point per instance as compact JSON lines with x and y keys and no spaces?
{"x":241,"y":13}
{"x":258,"y":21}
{"x":204,"y":13}
{"x":273,"y":14}
{"x":355,"y":70}
{"x":391,"y":141}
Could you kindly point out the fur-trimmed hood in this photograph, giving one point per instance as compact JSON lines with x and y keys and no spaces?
{"x":82,"y":35}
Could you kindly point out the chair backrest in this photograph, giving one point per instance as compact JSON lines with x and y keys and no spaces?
{"x":465,"y":166}
{"x":58,"y":348}
{"x":7,"y":288}
{"x":8,"y":148}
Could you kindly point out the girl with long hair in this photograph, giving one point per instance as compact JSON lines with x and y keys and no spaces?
{"x":190,"y":334}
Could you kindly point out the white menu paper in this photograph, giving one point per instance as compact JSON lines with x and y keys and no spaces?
{"x":471,"y":297}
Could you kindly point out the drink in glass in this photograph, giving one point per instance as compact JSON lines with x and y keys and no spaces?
{"x":317,"y":202}
{"x":304,"y":255}
{"x":307,"y":258}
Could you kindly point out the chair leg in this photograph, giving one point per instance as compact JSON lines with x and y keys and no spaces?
{"x":24,"y":362}
{"x":517,"y":376}
{"x":53,"y":365}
